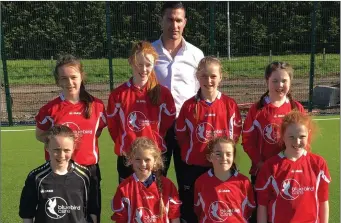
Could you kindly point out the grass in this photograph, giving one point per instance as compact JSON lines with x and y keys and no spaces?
{"x":40,"y":71}
{"x":21,"y":156}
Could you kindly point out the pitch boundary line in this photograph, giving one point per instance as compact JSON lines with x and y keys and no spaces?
{"x":25,"y":130}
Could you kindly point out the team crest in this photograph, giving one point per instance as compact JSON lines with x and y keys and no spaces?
{"x":137,"y":121}
{"x":271,"y":133}
{"x":289,"y":190}
{"x":144,"y":215}
{"x":204,"y":132}
{"x":218,"y":211}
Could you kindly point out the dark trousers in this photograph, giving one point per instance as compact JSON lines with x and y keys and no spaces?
{"x":190,"y":174}
{"x":173,"y":147}
{"x":95,"y":184}
{"x":253,"y":218}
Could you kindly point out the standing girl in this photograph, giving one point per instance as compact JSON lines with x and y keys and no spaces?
{"x":60,"y":188}
{"x":293,"y":185}
{"x":80,"y":111}
{"x":139,"y":107}
{"x":146,"y":196}
{"x":260,"y":135}
{"x":206,"y":115}
{"x":228,"y":197}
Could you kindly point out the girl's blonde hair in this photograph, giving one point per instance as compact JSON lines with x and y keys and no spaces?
{"x":204,"y":62}
{"x":144,"y":143}
{"x":153,"y":87}
{"x":223,"y":139}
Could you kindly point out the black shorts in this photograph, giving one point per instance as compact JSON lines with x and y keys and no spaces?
{"x":95,"y":184}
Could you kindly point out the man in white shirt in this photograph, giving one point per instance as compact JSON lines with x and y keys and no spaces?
{"x":175,"y":69}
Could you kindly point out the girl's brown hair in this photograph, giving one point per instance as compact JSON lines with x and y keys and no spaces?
{"x":201,"y":67}
{"x":72,"y":61}
{"x":268,"y":71}
{"x":223,"y":139}
{"x":59,"y":130}
{"x":144,"y":143}
{"x":153,"y":87}
{"x":296,"y":117}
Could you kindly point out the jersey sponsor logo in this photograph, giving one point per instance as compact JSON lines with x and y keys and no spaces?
{"x":205,"y":132}
{"x":57,"y":208}
{"x":297,"y":171}
{"x":210,"y":114}
{"x":141,"y":101}
{"x":278,"y":116}
{"x":271,"y":133}
{"x":46,"y":191}
{"x":291,"y":189}
{"x":219,"y":211}
{"x":75,"y":113}
{"x":224,"y":191}
{"x":148,"y":197}
{"x":76,"y":129}
{"x":137,"y":121}
{"x":144,"y":215}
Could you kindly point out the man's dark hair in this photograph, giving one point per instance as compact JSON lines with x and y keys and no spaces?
{"x":172,"y":5}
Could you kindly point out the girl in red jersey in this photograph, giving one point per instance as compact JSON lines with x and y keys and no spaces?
{"x":228,"y":197}
{"x":146,"y":196}
{"x":78,"y":110}
{"x":206,"y":115}
{"x":140,"y":107}
{"x":293,"y":185}
{"x":260,"y":137}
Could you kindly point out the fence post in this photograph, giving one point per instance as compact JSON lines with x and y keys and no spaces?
{"x":108,"y":27}
{"x":312,"y":57}
{"x":4,"y":67}
{"x":212,"y":27}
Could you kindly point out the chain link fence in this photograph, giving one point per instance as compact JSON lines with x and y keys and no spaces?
{"x":246,"y":36}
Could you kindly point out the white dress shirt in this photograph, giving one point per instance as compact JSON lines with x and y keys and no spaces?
{"x":178,"y":73}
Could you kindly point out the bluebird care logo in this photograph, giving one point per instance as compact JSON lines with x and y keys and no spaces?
{"x":291,"y":189}
{"x":57,"y":208}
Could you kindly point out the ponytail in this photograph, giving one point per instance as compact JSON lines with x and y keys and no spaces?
{"x":292,"y":102}
{"x":87,"y":99}
{"x":160,"y":190}
{"x":197,"y":99}
{"x":153,"y":89}
{"x":260,"y":103}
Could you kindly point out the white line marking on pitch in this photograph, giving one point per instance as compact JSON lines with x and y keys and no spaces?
{"x":16,"y":130}
{"x":24,"y":130}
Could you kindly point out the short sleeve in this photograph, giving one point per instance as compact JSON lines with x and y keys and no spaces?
{"x":118,"y":206}
{"x":103,"y":116}
{"x":263,"y":184}
{"x":174,"y":202}
{"x":250,"y":203}
{"x":43,"y":118}
{"x":29,"y":199}
{"x":324,"y":179}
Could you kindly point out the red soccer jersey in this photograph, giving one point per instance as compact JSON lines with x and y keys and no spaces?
{"x":131,"y":114}
{"x":292,"y":190}
{"x":218,"y":201}
{"x":261,"y":131}
{"x":61,"y":111}
{"x":133,"y":202}
{"x":221,"y":118}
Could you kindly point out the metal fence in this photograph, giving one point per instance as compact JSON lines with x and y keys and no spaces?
{"x":246,"y":36}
